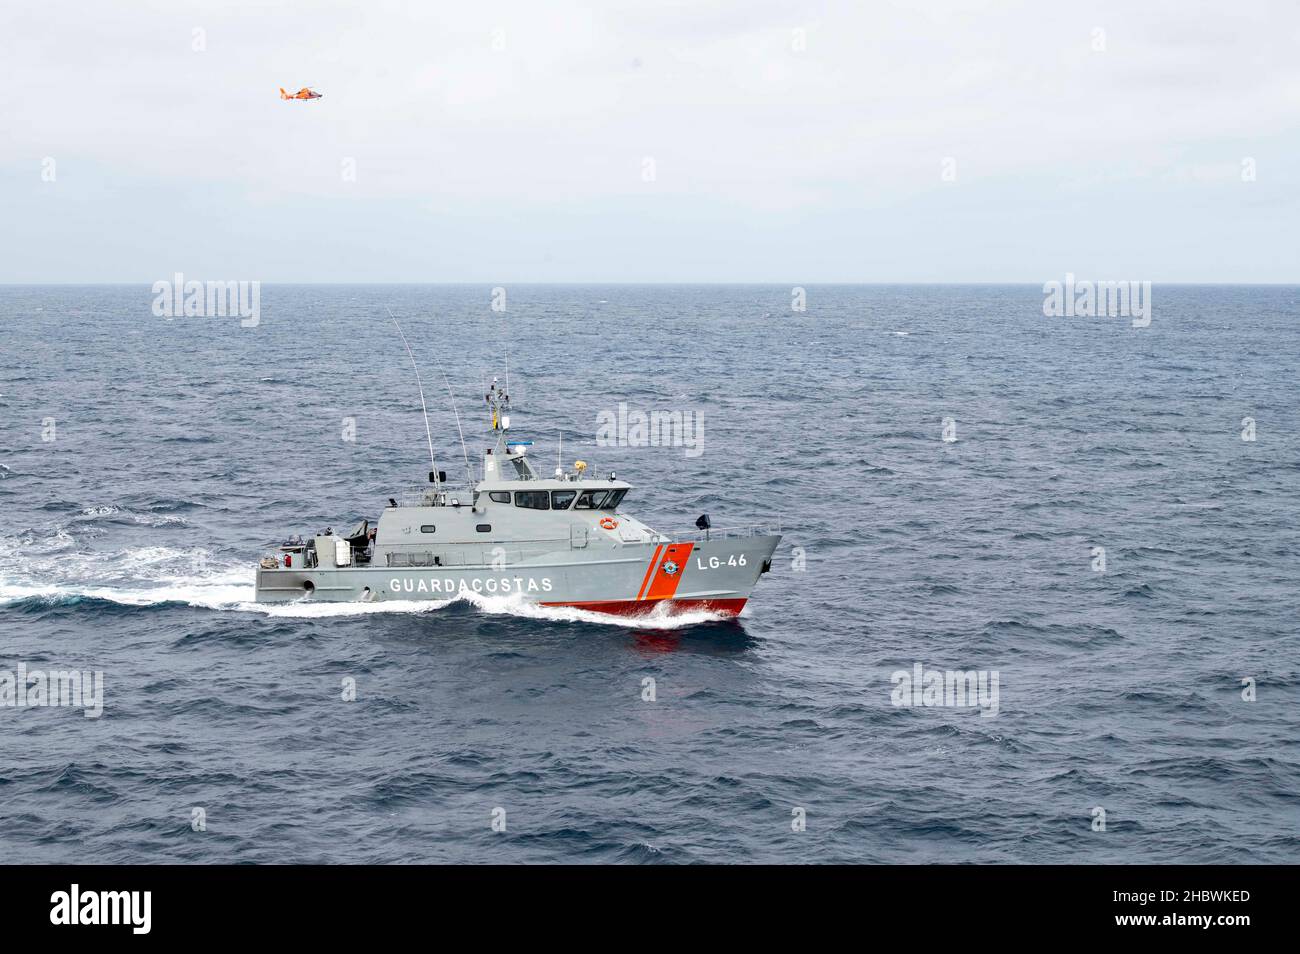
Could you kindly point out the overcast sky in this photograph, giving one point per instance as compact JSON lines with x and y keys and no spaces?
{"x":794,"y":142}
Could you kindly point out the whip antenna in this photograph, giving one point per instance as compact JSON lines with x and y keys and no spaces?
{"x":469,"y":474}
{"x":420,"y":387}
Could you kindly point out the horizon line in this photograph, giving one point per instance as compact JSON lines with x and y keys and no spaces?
{"x":775,"y":284}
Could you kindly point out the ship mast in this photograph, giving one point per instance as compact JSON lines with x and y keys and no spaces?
{"x":498,"y":402}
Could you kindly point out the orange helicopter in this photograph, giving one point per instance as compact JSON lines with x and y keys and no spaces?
{"x":303,"y":93}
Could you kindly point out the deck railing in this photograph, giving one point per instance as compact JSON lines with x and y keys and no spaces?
{"x":695,"y":535}
{"x":425,"y":496}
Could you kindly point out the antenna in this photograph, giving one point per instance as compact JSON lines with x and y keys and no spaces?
{"x":559,"y":454}
{"x":505,"y":342}
{"x":433,"y":467}
{"x":469,"y":475}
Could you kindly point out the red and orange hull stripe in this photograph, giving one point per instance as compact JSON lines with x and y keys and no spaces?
{"x":657,"y":586}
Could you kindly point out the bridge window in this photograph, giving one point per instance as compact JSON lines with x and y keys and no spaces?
{"x":533,"y":499}
{"x":560,"y":499}
{"x":615,"y":498}
{"x":500,"y":496}
{"x":591,"y":500}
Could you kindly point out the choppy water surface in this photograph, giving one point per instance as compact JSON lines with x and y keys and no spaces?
{"x":182,"y":449}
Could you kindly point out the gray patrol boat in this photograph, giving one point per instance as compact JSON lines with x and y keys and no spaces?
{"x":561,"y":541}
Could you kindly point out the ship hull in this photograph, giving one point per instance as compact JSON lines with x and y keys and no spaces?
{"x":714,"y":575}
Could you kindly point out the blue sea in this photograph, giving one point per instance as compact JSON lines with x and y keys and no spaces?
{"x":1107,"y":518}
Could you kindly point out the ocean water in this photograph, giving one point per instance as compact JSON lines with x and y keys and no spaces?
{"x":146,"y":463}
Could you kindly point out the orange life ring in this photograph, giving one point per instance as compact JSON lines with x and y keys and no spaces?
{"x":609,"y":523}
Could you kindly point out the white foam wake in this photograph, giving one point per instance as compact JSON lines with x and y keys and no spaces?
{"x":56,"y":565}
{"x":513,"y":605}
{"x":205,"y":595}
{"x":149,"y":576}
{"x":238,"y":597}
